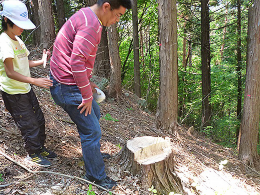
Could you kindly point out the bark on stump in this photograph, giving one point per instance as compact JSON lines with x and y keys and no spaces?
{"x":151,"y":159}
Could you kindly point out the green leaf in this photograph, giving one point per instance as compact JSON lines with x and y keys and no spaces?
{"x":118,"y":145}
{"x":108,"y":117}
{"x":1,"y":179}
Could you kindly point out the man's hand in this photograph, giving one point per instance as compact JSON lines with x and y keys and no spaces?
{"x":85,"y":107}
{"x":93,"y":86}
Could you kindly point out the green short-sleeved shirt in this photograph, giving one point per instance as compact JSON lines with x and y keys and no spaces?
{"x":19,"y":53}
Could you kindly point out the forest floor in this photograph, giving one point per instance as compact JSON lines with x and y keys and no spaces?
{"x":196,"y":157}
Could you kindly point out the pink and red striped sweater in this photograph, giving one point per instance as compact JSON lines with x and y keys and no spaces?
{"x":74,"y":51}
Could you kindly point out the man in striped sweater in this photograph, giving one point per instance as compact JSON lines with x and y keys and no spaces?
{"x":72,"y":62}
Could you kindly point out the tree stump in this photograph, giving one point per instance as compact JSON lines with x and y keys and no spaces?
{"x":151,"y":159}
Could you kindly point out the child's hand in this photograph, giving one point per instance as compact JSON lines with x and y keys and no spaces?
{"x":48,"y":52}
{"x":43,"y":82}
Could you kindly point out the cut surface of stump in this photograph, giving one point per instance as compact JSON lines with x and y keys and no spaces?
{"x":151,"y":159}
{"x":149,"y":149}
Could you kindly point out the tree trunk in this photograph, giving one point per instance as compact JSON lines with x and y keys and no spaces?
{"x":239,"y":65}
{"x":150,"y":66}
{"x":47,"y":23}
{"x":60,"y":13}
{"x":184,"y":50}
{"x":124,"y":68}
{"x":205,"y":61}
{"x":142,"y":46}
{"x":90,"y":2}
{"x":36,"y":21}
{"x":115,"y":88}
{"x":224,"y":35}
{"x":151,"y":159}
{"x":137,"y":86}
{"x":189,"y":58}
{"x":102,"y":65}
{"x":167,"y":110}
{"x":250,"y":118}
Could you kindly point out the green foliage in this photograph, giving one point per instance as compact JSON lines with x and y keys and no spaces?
{"x":224,"y":76}
{"x":90,"y":192}
{"x":153,"y":190}
{"x":1,"y":177}
{"x":223,"y":131}
{"x":108,"y":117}
{"x":130,"y":109}
{"x":149,"y":54}
{"x":119,"y":146}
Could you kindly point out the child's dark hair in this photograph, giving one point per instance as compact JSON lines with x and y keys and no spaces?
{"x":4,"y":23}
{"x":115,"y":4}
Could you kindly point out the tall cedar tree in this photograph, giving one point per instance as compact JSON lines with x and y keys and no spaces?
{"x":46,"y":22}
{"x":36,"y":21}
{"x":167,"y":108}
{"x":205,"y":61}
{"x":115,"y":87}
{"x":137,"y":86}
{"x":250,"y":117}
{"x":60,"y":12}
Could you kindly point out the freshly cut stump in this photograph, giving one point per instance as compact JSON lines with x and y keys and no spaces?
{"x":151,"y":159}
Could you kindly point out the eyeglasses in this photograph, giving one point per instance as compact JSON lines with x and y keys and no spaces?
{"x":117,"y":15}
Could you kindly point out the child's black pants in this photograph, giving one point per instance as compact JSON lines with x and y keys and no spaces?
{"x":28,"y":116}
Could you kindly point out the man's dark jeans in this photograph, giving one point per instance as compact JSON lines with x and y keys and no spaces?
{"x":69,"y":98}
{"x":29,"y":118}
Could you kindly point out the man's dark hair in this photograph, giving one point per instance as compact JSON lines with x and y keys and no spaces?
{"x":4,"y":23}
{"x":115,"y":4}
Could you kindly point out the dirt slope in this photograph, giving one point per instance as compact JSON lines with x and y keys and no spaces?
{"x":198,"y":160}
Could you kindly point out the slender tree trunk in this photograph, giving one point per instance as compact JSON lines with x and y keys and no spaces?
{"x":60,"y":13}
{"x":167,"y":110}
{"x":137,"y":86}
{"x":184,"y":63}
{"x":115,"y":88}
{"x":150,"y":65}
{"x":47,"y":23}
{"x":239,"y":65}
{"x":36,"y":21}
{"x":89,"y":2}
{"x":184,"y":49}
{"x":251,"y":111}
{"x":124,"y":68}
{"x":189,"y":58}
{"x":224,"y":36}
{"x":205,"y":61}
{"x":102,"y":65}
{"x":142,"y":49}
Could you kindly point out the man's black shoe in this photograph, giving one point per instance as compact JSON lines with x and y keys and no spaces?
{"x":107,"y":183}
